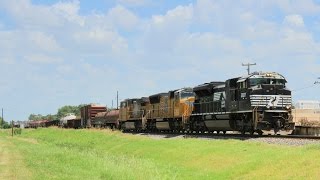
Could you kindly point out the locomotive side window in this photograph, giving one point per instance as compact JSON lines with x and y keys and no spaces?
{"x":177,"y":96}
{"x":243,"y":85}
{"x":123,"y":104}
{"x":185,"y":94}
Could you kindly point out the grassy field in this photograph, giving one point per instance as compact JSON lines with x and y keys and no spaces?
{"x":93,"y":154}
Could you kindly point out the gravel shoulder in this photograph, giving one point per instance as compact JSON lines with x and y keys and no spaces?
{"x":268,"y":140}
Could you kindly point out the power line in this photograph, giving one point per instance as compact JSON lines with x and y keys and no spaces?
{"x":307,"y":87}
{"x":295,"y":90}
{"x":248,"y":65}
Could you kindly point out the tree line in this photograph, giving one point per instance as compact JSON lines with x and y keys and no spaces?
{"x":4,"y":124}
{"x":62,"y":112}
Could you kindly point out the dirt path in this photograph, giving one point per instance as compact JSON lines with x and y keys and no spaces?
{"x":12,"y":165}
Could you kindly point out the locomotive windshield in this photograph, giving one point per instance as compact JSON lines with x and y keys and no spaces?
{"x":185,"y":94}
{"x":259,"y":81}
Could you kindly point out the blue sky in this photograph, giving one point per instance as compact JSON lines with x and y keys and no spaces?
{"x":55,"y":53}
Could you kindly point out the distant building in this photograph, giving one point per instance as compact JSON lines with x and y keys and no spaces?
{"x":306,"y":113}
{"x":304,"y":104}
{"x":70,"y":116}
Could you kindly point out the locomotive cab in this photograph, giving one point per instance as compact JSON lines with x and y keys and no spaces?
{"x":182,"y":102}
{"x":271,"y":102}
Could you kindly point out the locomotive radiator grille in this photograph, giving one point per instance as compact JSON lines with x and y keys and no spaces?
{"x":270,"y":100}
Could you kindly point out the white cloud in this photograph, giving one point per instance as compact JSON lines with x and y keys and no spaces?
{"x":305,"y":7}
{"x":122,"y":17}
{"x":133,"y":2}
{"x":294,"y":20}
{"x":207,"y":11}
{"x":181,"y":15}
{"x":207,"y":44}
{"x":7,"y":59}
{"x":44,"y":41}
{"x":29,"y":15}
{"x":69,"y":10}
{"x":43,"y":59}
{"x":8,"y":40}
{"x":100,"y":39}
{"x":162,"y":31}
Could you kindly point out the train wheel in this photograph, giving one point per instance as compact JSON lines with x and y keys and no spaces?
{"x":260,"y":132}
{"x":251,"y":132}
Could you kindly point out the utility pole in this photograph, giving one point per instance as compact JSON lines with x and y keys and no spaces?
{"x":1,"y":122}
{"x":117,"y":100}
{"x":12,"y":128}
{"x":248,"y":65}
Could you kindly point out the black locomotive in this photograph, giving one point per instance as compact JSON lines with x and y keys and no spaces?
{"x":259,"y":102}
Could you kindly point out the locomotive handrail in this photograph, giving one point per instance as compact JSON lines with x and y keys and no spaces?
{"x":144,"y":119}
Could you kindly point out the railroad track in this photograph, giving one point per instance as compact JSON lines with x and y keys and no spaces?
{"x":224,"y":136}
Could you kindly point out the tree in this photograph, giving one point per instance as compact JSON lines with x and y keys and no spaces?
{"x":4,"y":124}
{"x":1,"y":121}
{"x":63,"y":111}
{"x":35,"y":117}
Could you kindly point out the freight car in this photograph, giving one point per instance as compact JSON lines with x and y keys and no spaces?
{"x":73,"y":123}
{"x":89,"y":112}
{"x":42,"y":123}
{"x":108,"y":119}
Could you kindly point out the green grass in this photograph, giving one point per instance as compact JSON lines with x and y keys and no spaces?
{"x":93,"y":154}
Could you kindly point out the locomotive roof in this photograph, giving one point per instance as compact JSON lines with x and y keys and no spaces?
{"x":156,"y":98}
{"x":268,"y":75}
{"x":182,"y":89}
{"x":186,"y":89}
{"x":143,"y":99}
{"x":159,"y":95}
{"x":208,"y":87}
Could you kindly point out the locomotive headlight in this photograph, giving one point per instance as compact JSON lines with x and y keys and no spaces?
{"x":288,"y":107}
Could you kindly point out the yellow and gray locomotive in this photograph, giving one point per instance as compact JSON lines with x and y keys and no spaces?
{"x":164,"y":111}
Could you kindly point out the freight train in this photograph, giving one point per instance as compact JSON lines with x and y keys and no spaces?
{"x":255,"y":103}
